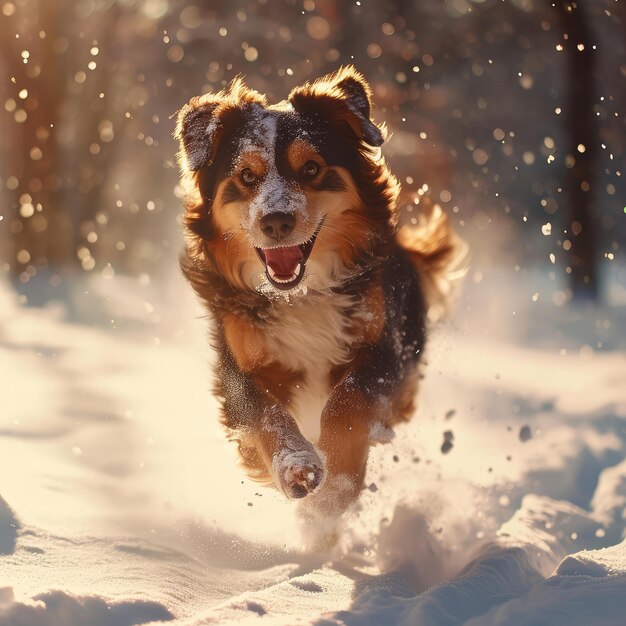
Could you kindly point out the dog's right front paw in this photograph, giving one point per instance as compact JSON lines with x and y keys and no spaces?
{"x":297,"y":472}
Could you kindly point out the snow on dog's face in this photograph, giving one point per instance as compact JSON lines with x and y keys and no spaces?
{"x":286,"y":197}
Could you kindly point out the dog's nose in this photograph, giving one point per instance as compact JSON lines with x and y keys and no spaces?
{"x":278,"y":225}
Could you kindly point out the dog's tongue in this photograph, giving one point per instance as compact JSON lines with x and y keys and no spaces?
{"x":283,"y":260}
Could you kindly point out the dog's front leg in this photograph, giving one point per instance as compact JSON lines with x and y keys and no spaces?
{"x":361,"y":398}
{"x":256,"y":390}
{"x":292,"y":460}
{"x":270,"y":442}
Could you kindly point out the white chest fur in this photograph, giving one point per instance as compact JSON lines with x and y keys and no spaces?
{"x":309,"y":335}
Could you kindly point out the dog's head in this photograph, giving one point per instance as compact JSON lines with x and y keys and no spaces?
{"x":287,"y":195}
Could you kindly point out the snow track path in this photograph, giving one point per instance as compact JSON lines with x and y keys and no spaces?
{"x":121,"y":502}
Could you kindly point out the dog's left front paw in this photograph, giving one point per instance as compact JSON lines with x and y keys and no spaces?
{"x":297,"y":472}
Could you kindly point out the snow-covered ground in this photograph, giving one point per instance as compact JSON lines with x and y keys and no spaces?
{"x":121,"y":502}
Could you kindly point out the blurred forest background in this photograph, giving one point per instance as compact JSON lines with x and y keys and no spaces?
{"x":509,"y":113}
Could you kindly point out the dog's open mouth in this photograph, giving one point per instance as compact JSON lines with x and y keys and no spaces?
{"x":284,"y":267}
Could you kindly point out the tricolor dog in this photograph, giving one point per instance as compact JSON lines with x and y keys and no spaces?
{"x":319,"y":301}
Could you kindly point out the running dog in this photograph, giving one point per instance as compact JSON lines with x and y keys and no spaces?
{"x":319,"y":302}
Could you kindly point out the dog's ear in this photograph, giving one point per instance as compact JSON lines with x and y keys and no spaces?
{"x":196,"y":130}
{"x":201,"y":124}
{"x":344,"y":99}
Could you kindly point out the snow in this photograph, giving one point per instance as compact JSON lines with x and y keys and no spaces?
{"x":380,"y":433}
{"x":56,"y":607}
{"x":122,"y":503}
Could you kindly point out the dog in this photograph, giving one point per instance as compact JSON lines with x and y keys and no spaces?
{"x":319,"y":302}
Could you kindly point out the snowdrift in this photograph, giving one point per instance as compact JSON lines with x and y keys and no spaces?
{"x":501,"y":503}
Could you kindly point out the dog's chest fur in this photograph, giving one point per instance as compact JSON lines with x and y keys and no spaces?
{"x":310,"y":335}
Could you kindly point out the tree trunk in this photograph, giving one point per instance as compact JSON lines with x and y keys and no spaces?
{"x":42,"y":232}
{"x":582,"y":138}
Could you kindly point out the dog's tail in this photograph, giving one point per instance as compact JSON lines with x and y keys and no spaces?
{"x":440,"y":257}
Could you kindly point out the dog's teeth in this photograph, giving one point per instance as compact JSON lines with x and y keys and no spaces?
{"x":275,"y":278}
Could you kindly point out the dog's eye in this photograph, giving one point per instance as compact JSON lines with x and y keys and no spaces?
{"x":248,"y":176}
{"x":311,"y":169}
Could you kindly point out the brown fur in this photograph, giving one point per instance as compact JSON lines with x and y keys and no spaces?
{"x":439,"y":255}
